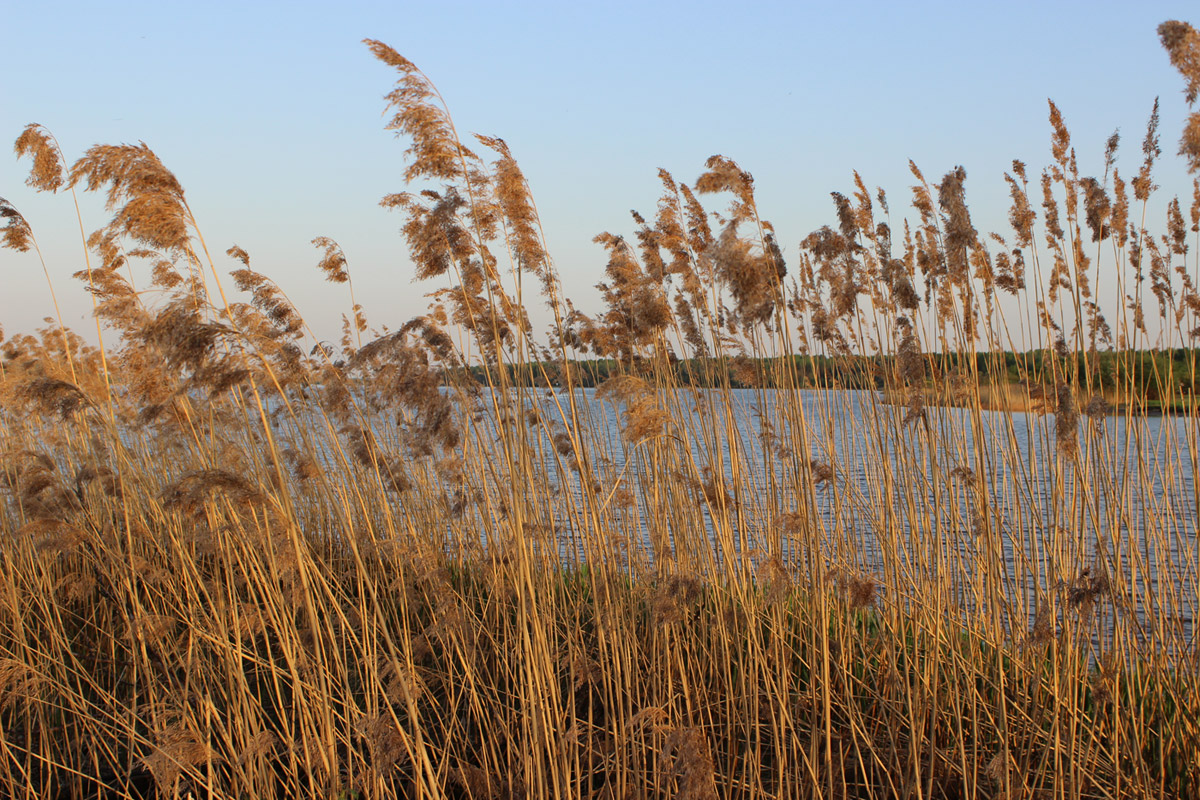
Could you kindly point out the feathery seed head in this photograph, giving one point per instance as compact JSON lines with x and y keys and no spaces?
{"x":692,"y":764}
{"x":822,"y":472}
{"x":1098,"y":208}
{"x":149,"y":199}
{"x":1142,"y":184}
{"x":1021,"y":214}
{"x":960,"y":234}
{"x":1061,"y":140}
{"x":17,"y":233}
{"x":177,"y":750}
{"x":516,"y":204}
{"x":49,"y":170}
{"x":434,"y":150}
{"x":1189,"y":143}
{"x":1066,"y":421}
{"x":52,"y":395}
{"x":191,"y":491}
{"x":724,"y":175}
{"x":1110,"y":150}
{"x":1182,"y":43}
{"x":1054,"y":229}
{"x":333,"y":263}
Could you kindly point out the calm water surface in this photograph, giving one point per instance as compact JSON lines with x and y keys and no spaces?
{"x":926,"y":501}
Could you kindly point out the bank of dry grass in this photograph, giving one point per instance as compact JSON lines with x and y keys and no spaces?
{"x":236,"y":565}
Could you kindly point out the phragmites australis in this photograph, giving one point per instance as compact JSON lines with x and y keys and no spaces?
{"x":283,"y":320}
{"x":754,"y":275}
{"x":1054,"y":231}
{"x":17,"y":233}
{"x":910,"y":369}
{"x":182,"y":336}
{"x":724,"y":175}
{"x":1098,"y":208}
{"x":1061,"y":140}
{"x":638,"y":309}
{"x":520,"y":215}
{"x":333,"y":263}
{"x":1021,"y":216}
{"x":437,"y":238}
{"x":1066,"y":408}
{"x":1143,"y":186}
{"x":434,"y":150}
{"x":465,"y":565}
{"x":644,"y":417}
{"x":959,"y":233}
{"x":336,"y":269}
{"x":149,"y":201}
{"x":1182,"y":43}
{"x":51,"y":395}
{"x":691,"y":764}
{"x":191,"y":491}
{"x":49,"y":170}
{"x":177,"y":750}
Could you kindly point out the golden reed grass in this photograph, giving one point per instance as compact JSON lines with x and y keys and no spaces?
{"x":238,"y":564}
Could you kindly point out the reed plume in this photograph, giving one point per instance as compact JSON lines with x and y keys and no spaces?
{"x":17,"y":233}
{"x":1182,"y":43}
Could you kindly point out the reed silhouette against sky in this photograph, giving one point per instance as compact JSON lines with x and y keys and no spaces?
{"x":238,"y":101}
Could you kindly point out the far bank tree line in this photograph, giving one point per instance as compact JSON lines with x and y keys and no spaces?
{"x":1155,"y":376}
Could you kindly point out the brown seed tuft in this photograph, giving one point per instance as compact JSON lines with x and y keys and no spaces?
{"x":691,"y":764}
{"x":176,"y":751}
{"x":1066,"y":421}
{"x":148,"y":198}
{"x":17,"y":233}
{"x":333,"y":263}
{"x":1182,"y":43}
{"x":194,"y":489}
{"x":49,"y":170}
{"x":1084,"y":590}
{"x":858,"y":590}
{"x":1142,"y":184}
{"x":775,"y":579}
{"x":823,"y":474}
{"x":18,"y":681}
{"x":434,"y":151}
{"x":386,"y":742}
{"x":1097,"y":407}
{"x":51,"y":395}
{"x":258,"y":745}
{"x":675,"y":597}
{"x":53,"y":536}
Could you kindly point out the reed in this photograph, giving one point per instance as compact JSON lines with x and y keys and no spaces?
{"x":427,"y":562}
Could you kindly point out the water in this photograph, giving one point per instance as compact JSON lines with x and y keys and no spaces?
{"x":937,"y":504}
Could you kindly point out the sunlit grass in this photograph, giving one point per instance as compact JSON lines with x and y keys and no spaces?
{"x":419,"y":563}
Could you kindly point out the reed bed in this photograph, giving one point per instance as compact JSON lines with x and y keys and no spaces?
{"x":423,"y":562}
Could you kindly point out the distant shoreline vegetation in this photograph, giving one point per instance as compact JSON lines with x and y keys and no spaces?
{"x":1137,"y":382}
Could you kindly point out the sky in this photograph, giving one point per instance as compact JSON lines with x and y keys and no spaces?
{"x":270,"y":115}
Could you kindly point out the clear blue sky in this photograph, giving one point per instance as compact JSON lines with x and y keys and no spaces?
{"x":270,"y":114}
